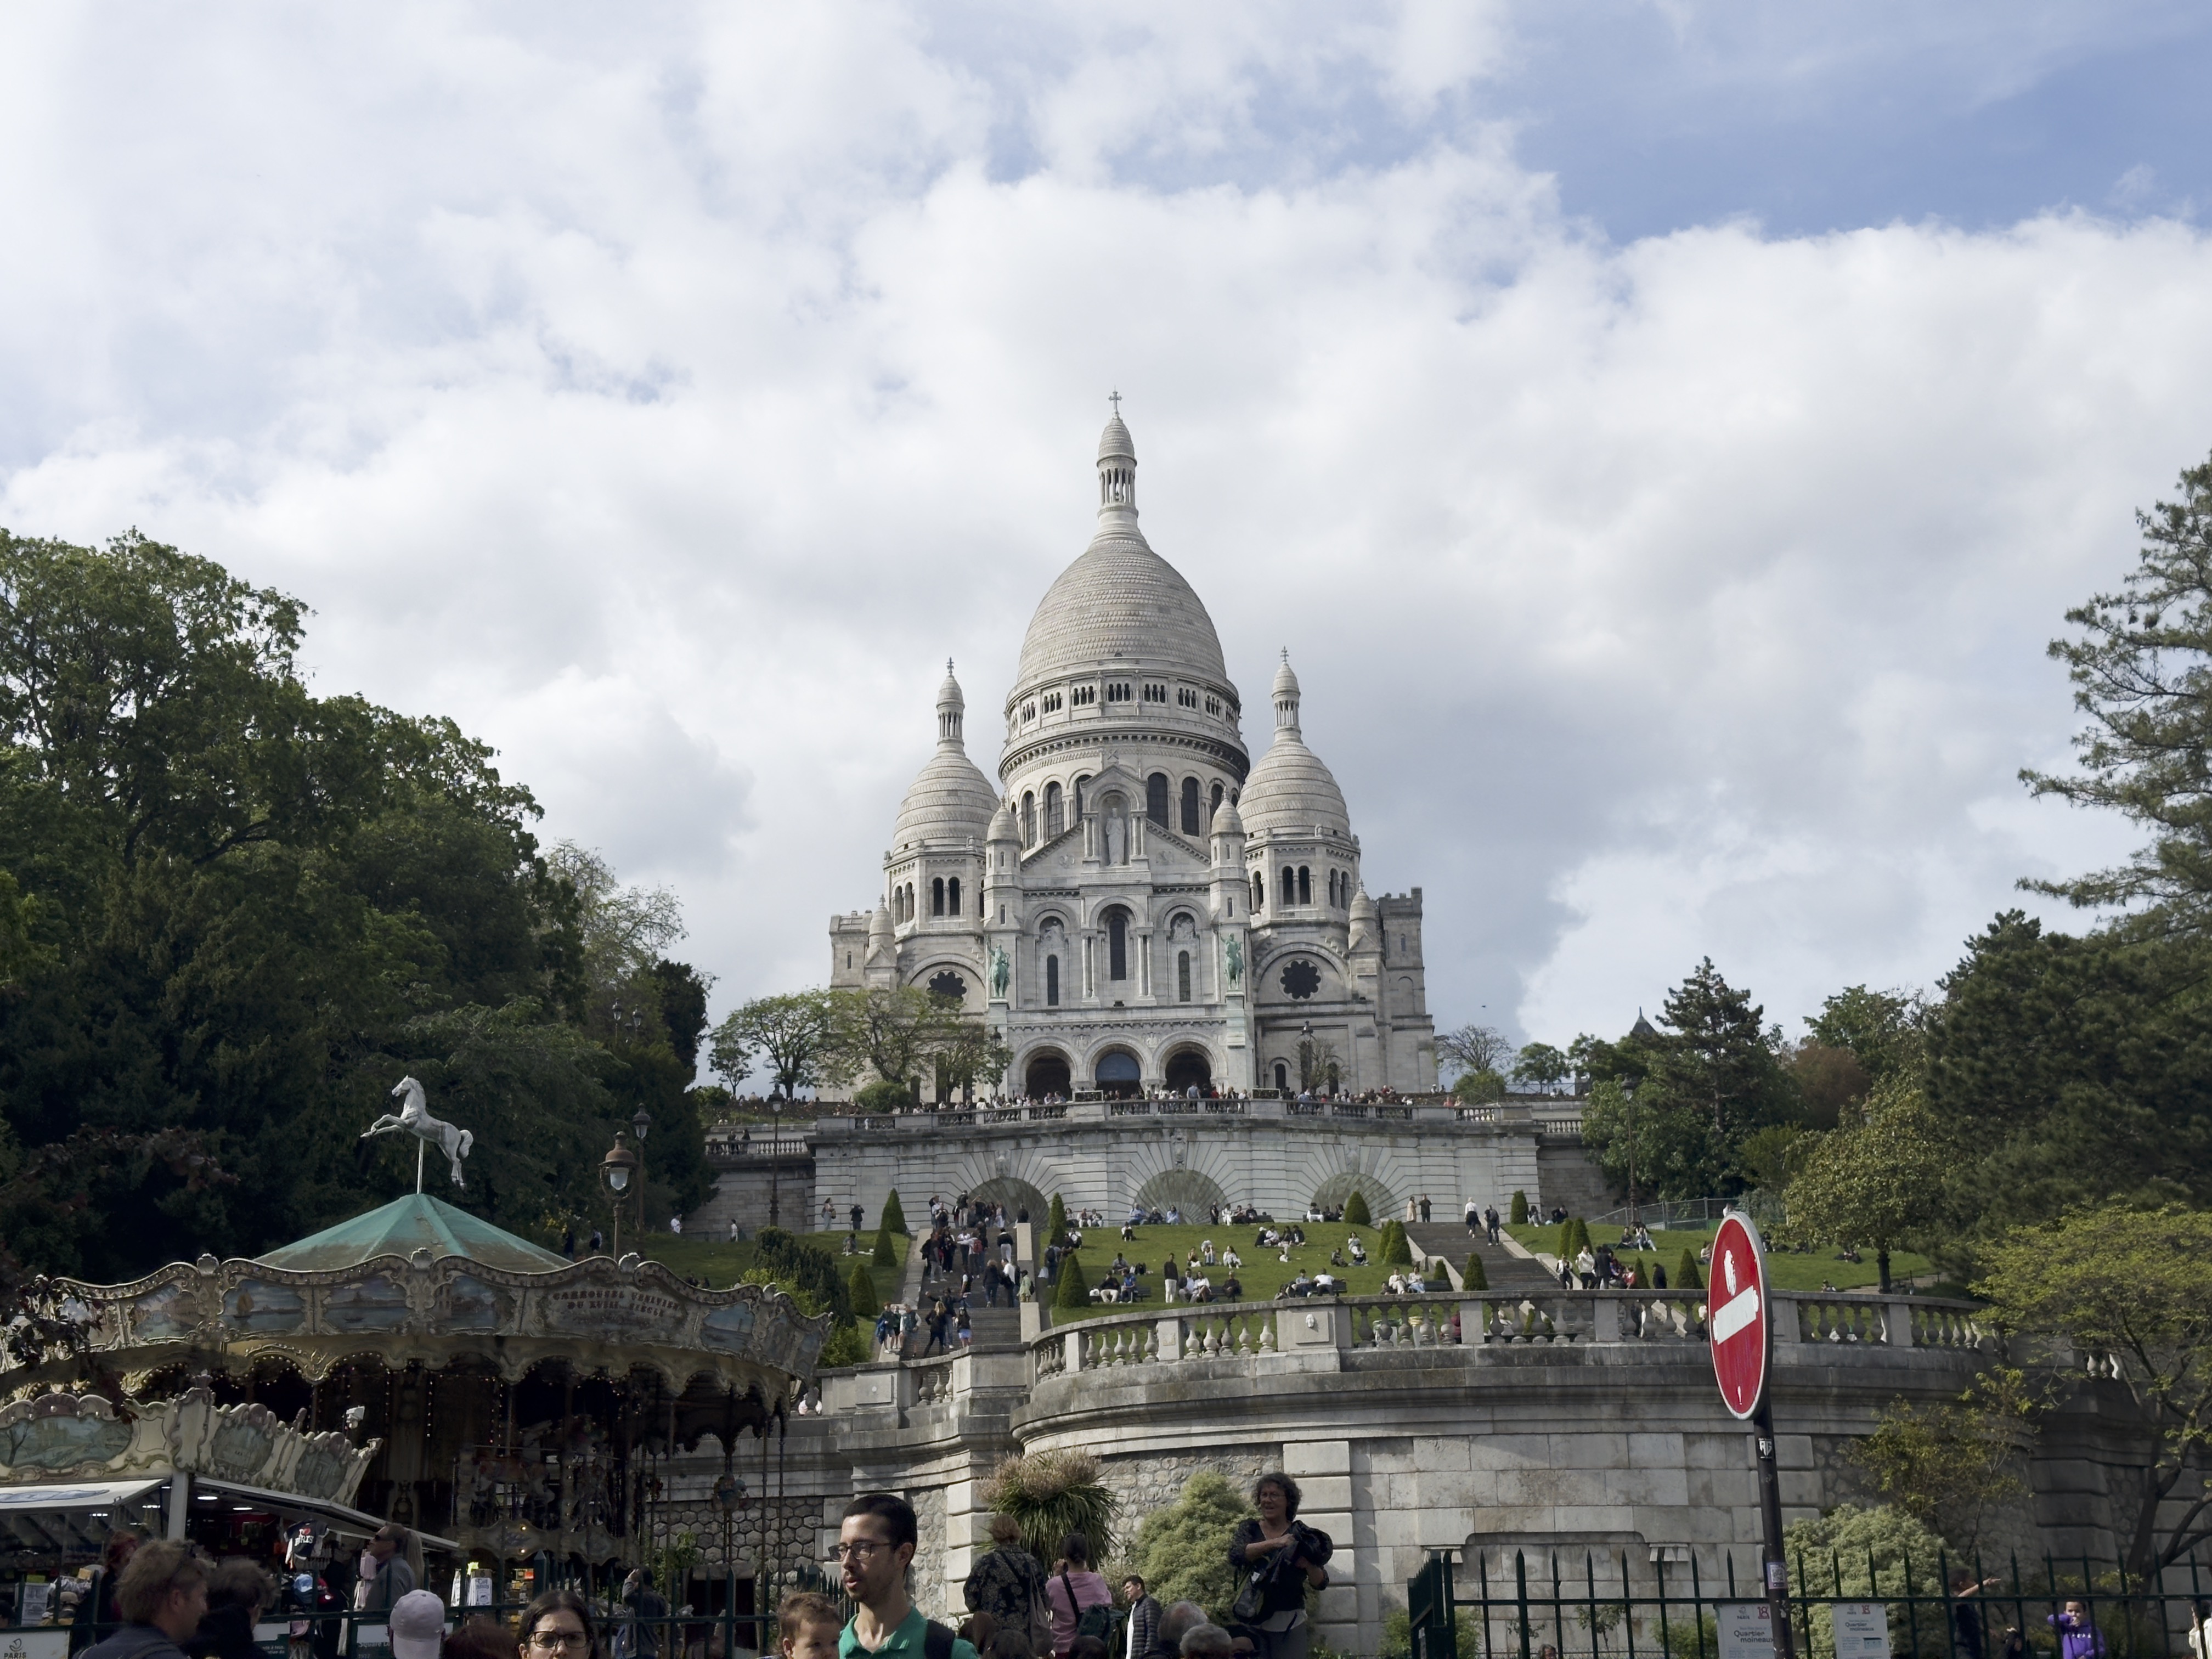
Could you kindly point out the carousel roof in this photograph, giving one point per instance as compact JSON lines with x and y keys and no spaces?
{"x":416,"y":1222}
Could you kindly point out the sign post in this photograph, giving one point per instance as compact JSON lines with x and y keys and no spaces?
{"x":1740,"y":1316}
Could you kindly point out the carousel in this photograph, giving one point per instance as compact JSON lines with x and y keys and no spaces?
{"x":534,"y":1419}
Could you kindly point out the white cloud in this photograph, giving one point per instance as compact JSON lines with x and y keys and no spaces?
{"x":665,"y":402}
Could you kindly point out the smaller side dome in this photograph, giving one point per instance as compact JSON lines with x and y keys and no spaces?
{"x":1227,"y":820}
{"x":950,"y":799}
{"x":1366,"y":921}
{"x":881,"y":937}
{"x":1114,"y":443}
{"x":1290,"y":791}
{"x":1002,"y":824}
{"x":1286,"y":683}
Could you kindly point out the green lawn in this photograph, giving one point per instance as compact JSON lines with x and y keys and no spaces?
{"x":1786,"y":1270}
{"x":1262,"y":1274}
{"x":721,"y":1263}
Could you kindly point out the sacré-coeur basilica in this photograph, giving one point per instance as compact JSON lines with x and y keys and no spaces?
{"x":1138,"y":905}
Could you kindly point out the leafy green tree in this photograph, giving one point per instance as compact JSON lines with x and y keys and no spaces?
{"x":2068,"y":1070}
{"x":1479,"y":1088}
{"x":968,"y":1056}
{"x":1863,"y":1552}
{"x":1881,"y":1031}
{"x":791,"y":1032}
{"x":1319,"y":1063}
{"x":1541,"y":1064}
{"x":1356,"y":1213}
{"x":1953,"y":1467}
{"x":893,"y":1032}
{"x":893,"y":1214}
{"x":883,"y":1095}
{"x":1768,"y":1155}
{"x":2130,"y":1292}
{"x":1474,"y":1048}
{"x":2140,"y":670}
{"x":1830,"y":1083}
{"x":1182,"y":1551}
{"x":1877,"y":1182}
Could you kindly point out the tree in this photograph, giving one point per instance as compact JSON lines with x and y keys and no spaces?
{"x":2130,"y":1292}
{"x":1475,"y":1048}
{"x":1050,"y":1494}
{"x":1879,"y":1029}
{"x":790,"y":1031}
{"x":1395,"y":1250}
{"x":893,"y":1032}
{"x":1953,"y":1467}
{"x":1182,"y":1551}
{"x":1518,"y":1214}
{"x":894,"y":1219}
{"x":1056,"y":1223}
{"x":1542,"y":1065}
{"x":887,"y":1253}
{"x":1479,"y":1088}
{"x":861,"y":1287}
{"x":1862,"y":1552}
{"x":1319,"y":1063}
{"x":2072,"y":1070}
{"x":1070,"y":1289}
{"x":1687,"y":1276}
{"x":1875,"y":1182}
{"x":968,"y":1054}
{"x":1356,"y":1213}
{"x":1830,"y":1082}
{"x":2141,"y":667}
{"x":1476,"y":1278}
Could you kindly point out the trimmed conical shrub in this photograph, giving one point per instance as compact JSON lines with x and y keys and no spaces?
{"x":1687,"y":1276}
{"x":1355,"y":1212}
{"x":1519,"y":1217}
{"x":894,"y":1217}
{"x":1395,"y":1251}
{"x":861,"y":1286}
{"x":1056,"y":1223}
{"x":888,"y":1255}
{"x":1071,"y":1290}
{"x":1474,"y":1278}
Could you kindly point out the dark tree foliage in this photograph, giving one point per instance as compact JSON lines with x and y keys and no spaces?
{"x":683,"y":999}
{"x":2072,"y":1070}
{"x":791,"y":1263}
{"x":233,"y":909}
{"x":2143,"y":673}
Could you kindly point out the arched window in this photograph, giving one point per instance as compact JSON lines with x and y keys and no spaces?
{"x":1290,"y":885}
{"x":1053,"y":820}
{"x":1332,"y":890}
{"x":937,"y":897}
{"x":1282,"y":1075}
{"x":1117,"y":944}
{"x":1259,"y":892}
{"x":1052,"y":981}
{"x":1213,"y":808}
{"x":952,"y":897}
{"x":1305,"y":886}
{"x":1190,"y":806}
{"x":1155,"y":798}
{"x":1080,"y":784}
{"x":1183,"y":976}
{"x":1028,"y":818}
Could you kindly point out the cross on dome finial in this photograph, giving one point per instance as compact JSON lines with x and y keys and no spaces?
{"x":1114,"y":398}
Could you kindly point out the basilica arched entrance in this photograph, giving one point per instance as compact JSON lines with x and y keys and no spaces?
{"x":1120,"y":1076}
{"x":1188,"y":1067}
{"x":1048,"y":1074}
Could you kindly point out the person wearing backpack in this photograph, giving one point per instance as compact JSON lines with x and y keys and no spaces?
{"x":876,"y":1541}
{"x":1082,"y":1605}
{"x":1008,"y":1584}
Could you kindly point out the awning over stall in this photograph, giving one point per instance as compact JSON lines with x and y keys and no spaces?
{"x":72,"y":1517}
{"x":351,"y":1523}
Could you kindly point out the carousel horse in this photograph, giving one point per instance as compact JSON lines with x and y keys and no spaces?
{"x":414,"y":1118}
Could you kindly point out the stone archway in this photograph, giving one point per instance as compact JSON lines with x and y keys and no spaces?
{"x":1120,"y":1075}
{"x":1048,"y":1073}
{"x":1016,"y":1194}
{"x":1339,"y":1188}
{"x":1183,"y":1190}
{"x":1186,"y":1065}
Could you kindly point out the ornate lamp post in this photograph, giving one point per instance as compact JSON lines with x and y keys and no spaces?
{"x":775,"y":1159}
{"x":617,"y":1171}
{"x":639,"y":1125}
{"x":730,"y":1497}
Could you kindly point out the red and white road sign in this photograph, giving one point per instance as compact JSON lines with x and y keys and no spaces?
{"x":1737,"y":1306}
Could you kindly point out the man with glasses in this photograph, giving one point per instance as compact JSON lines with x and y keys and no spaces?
{"x":875,"y":1543}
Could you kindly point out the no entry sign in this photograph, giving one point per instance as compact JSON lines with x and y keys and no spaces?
{"x":1736,"y":1301}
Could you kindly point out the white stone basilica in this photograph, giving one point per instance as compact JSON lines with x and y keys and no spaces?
{"x":1138,"y":905}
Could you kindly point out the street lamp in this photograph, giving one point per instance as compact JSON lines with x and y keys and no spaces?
{"x":1628,"y":1089}
{"x":775,"y":1159}
{"x":639,"y":1125}
{"x":729,"y":1497}
{"x":617,"y":1170}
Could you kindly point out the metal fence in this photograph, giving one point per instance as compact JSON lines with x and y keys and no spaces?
{"x":1597,"y":1609}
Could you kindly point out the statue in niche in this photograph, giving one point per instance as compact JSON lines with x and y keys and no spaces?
{"x":1235,"y":953}
{"x":1002,"y":972}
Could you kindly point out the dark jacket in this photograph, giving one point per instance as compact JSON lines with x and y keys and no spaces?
{"x":137,"y":1642}
{"x":224,"y":1633}
{"x":1286,"y":1584}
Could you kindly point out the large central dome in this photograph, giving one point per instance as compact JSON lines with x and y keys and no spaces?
{"x":1120,"y":599}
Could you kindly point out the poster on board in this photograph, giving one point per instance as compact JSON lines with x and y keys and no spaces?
{"x":1746,"y":1630}
{"x":1861,"y":1630}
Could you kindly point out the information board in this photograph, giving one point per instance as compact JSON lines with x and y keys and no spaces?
{"x":1746,"y":1630}
{"x":1861,"y":1630}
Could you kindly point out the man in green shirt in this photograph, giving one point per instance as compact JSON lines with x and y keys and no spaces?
{"x":875,"y":1546}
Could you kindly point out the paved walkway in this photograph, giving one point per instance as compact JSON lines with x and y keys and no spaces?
{"x":1503,"y":1264}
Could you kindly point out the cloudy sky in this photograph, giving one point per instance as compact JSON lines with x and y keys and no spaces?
{"x":1665,"y":435}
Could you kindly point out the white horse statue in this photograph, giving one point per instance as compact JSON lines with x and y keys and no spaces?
{"x":414,"y":1118}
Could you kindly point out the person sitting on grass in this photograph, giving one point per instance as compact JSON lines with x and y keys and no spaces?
{"x":1232,"y":1289}
{"x":1231,"y":1259}
{"x":1358,"y":1250}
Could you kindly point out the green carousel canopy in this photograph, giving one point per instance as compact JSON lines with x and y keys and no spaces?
{"x":416,"y":1222}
